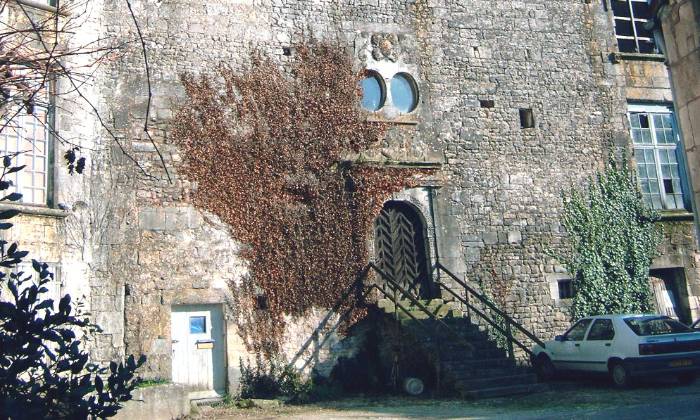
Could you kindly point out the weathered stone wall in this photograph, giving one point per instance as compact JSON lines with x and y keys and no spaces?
{"x":680,"y":22}
{"x":679,"y":251}
{"x":498,"y":201}
{"x":145,"y":247}
{"x":69,"y":236}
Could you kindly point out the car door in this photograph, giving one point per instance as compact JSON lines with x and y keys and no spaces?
{"x":566,"y":353}
{"x":595,"y":350}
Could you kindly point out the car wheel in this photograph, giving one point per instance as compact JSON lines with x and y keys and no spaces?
{"x":686,"y":378}
{"x":544,"y":368}
{"x":620,"y":375}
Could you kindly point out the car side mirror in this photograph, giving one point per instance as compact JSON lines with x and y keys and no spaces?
{"x":560,"y":338}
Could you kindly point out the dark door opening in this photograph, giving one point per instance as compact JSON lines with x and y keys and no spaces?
{"x":671,"y":293}
{"x":400,"y":248}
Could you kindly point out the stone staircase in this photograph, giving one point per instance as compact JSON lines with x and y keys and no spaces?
{"x":471,"y":365}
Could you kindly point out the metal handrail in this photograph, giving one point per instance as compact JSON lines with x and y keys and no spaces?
{"x":510,"y":321}
{"x":506,"y":332}
{"x":358,"y":286}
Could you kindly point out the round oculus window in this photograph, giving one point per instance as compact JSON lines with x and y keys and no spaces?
{"x":373,"y":93}
{"x":404,"y":93}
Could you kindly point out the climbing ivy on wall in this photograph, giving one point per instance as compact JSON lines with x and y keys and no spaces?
{"x":613,"y":238}
{"x":265,"y":147}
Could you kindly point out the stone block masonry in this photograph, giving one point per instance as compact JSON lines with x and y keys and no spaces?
{"x":476,"y":64}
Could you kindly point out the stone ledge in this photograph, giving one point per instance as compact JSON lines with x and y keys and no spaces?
{"x":617,"y":57}
{"x":35,"y":210}
{"x":400,"y":120}
{"x":419,"y":164}
{"x":676,"y":216}
{"x":159,"y":402}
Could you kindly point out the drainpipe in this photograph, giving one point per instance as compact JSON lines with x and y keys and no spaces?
{"x":431,"y":207}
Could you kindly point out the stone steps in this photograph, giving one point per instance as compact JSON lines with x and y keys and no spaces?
{"x":470,"y":362}
{"x":437,"y":307}
{"x":504,"y":391}
{"x":486,"y":371}
{"x":478,"y":354}
{"x":475,"y":364}
{"x":470,"y":383}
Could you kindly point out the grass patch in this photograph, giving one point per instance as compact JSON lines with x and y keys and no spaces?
{"x":146,"y":383}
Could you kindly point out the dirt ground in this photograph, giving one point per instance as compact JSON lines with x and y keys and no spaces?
{"x":585,"y":398}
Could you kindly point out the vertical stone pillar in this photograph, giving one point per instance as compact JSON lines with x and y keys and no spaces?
{"x":680,"y":22}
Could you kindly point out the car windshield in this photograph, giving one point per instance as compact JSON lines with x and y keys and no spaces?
{"x":659,"y":325}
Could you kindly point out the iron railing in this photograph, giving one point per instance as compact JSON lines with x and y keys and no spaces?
{"x":510,"y":323}
{"x":395,"y":292}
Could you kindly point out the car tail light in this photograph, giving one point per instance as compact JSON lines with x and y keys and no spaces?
{"x":647,"y":349}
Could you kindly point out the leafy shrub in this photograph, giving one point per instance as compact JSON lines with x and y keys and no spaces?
{"x":613,"y":238}
{"x":145,"y":383}
{"x":259,"y":380}
{"x":44,"y":369}
{"x":273,"y":379}
{"x":325,"y":391}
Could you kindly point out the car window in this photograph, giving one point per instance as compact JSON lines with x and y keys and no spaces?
{"x":602,"y":329}
{"x":577,"y":332}
{"x":659,"y":325}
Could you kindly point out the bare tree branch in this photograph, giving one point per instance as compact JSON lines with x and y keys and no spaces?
{"x":150,"y":92}
{"x":36,"y":50}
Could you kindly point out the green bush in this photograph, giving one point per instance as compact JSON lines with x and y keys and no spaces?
{"x":145,"y":383}
{"x":266,"y":380}
{"x":613,"y":238}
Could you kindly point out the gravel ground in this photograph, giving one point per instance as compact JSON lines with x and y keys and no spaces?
{"x":583,"y":399}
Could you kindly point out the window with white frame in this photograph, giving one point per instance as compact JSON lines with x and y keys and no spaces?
{"x":630,"y":17}
{"x":25,"y":136}
{"x":656,"y":148}
{"x":54,"y":287}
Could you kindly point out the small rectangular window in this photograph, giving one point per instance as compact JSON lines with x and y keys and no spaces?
{"x":602,"y":329}
{"x":527,"y":118}
{"x":487,"y":103}
{"x":566,"y":289}
{"x":261,"y":302}
{"x":198,"y":325}
{"x":578,"y":331}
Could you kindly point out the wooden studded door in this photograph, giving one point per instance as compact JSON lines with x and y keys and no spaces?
{"x":400,"y":248}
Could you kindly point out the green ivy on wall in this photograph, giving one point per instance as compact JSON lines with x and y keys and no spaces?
{"x":613,"y":238}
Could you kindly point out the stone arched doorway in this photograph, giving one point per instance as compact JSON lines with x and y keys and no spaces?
{"x":401,"y":248}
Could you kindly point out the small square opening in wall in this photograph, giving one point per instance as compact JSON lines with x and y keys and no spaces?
{"x":286,"y":51}
{"x":566,"y":289}
{"x":527,"y":118}
{"x":487,"y":103}
{"x":261,"y":302}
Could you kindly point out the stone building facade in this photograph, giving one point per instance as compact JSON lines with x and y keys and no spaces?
{"x":518,"y":100}
{"x":679,"y":24}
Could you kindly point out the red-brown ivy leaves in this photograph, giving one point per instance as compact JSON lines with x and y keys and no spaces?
{"x":264,"y":149}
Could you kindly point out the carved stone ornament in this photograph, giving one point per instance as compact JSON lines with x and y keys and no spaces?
{"x":385,"y":46}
